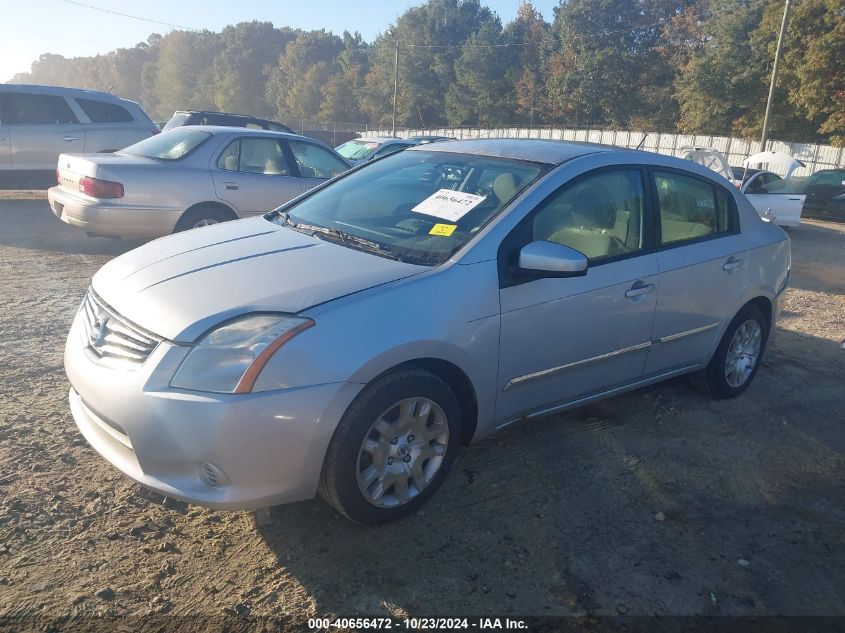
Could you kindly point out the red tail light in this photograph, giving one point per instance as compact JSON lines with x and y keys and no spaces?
{"x":100,"y":188}
{"x":58,"y":176}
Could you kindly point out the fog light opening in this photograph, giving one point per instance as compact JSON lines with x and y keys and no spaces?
{"x":212,"y":476}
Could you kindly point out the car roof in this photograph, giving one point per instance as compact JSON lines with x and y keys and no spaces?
{"x":234,"y":115}
{"x":61,"y":90}
{"x":534,"y":150}
{"x":248,"y":131}
{"x":380,"y":139}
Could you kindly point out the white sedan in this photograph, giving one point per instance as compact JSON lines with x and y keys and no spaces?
{"x":776,"y":199}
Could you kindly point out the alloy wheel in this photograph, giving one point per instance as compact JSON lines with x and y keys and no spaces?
{"x":743,"y":353}
{"x":402,"y":452}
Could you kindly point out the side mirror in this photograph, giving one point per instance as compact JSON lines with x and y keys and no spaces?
{"x":547,"y":259}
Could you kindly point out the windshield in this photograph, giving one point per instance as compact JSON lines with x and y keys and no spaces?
{"x":177,"y":120}
{"x":417,"y":206}
{"x":171,"y":145}
{"x":357,"y":149}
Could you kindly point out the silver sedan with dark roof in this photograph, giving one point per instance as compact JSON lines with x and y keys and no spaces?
{"x":352,"y":340}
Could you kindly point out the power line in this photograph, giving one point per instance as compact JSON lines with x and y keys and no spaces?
{"x":134,"y":17}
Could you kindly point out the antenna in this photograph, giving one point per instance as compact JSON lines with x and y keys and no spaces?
{"x":639,"y":146}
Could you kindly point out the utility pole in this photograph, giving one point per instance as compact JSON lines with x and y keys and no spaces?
{"x":395,"y":81}
{"x":774,"y":77}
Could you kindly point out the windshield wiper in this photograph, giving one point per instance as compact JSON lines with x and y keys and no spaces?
{"x":339,"y":236}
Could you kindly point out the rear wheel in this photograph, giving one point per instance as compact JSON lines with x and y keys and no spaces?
{"x":393,"y":447}
{"x":198,"y":217}
{"x":738,"y":356}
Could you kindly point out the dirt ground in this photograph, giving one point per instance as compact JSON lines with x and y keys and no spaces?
{"x":658,"y":502}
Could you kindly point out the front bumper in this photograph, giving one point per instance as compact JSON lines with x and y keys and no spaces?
{"x":262,"y":449}
{"x":111,"y":218}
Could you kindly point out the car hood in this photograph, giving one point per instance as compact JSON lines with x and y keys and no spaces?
{"x":179,"y":286}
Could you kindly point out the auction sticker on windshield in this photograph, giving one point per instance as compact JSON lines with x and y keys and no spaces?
{"x":449,"y":205}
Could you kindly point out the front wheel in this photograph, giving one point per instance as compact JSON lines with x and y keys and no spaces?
{"x":738,"y":356}
{"x":392,"y":448}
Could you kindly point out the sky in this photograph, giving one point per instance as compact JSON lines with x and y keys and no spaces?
{"x":29,"y":28}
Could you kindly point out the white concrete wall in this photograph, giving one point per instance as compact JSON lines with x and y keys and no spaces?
{"x":814,"y":156}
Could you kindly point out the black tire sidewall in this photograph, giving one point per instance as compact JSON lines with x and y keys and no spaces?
{"x":716,"y":378}
{"x":189,"y":218}
{"x":340,"y":468}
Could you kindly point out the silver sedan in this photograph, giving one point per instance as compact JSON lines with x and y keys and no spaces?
{"x":188,"y":177}
{"x":351,"y":341}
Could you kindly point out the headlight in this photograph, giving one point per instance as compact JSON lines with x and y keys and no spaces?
{"x":229,"y":358}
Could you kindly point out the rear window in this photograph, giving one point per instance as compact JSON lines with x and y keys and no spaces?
{"x":177,"y":120}
{"x":170,"y":145}
{"x":103,"y":112}
{"x":21,"y":108}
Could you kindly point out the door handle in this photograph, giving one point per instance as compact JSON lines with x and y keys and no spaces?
{"x":639,"y":289}
{"x":732,"y":263}
{"x":231,"y":186}
{"x":794,"y":199}
{"x":68,"y":139}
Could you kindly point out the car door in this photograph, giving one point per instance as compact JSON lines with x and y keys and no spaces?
{"x":41,"y":127}
{"x":775,"y":199}
{"x":315,"y":164}
{"x":254,"y":175}
{"x":566,"y":338}
{"x":702,"y":261}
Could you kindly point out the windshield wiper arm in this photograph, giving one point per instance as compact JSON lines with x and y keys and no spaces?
{"x":342,"y":236}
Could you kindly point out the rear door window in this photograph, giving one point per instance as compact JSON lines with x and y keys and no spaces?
{"x":22,"y":108}
{"x":690,"y":208}
{"x":104,"y":112}
{"x":255,"y":156}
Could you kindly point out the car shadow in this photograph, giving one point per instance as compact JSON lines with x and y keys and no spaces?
{"x":31,"y":224}
{"x":642,"y":504}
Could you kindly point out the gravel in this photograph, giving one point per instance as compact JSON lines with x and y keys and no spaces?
{"x":554,"y":517}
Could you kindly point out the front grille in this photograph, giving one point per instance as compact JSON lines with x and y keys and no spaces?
{"x":111,"y":338}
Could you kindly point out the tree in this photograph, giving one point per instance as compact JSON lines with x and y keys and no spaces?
{"x":184,"y":71}
{"x":482,"y":92}
{"x":244,"y":63}
{"x":813,"y":71}
{"x":343,"y":88}
{"x":295,"y":83}
{"x":528,"y":33}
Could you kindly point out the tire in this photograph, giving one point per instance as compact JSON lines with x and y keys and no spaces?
{"x":202,"y":216}
{"x":720,"y":381}
{"x":375,"y":416}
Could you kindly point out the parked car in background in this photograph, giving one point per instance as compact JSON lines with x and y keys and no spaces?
{"x":351,"y":341}
{"x":422,"y":140}
{"x":360,"y":150}
{"x":188,"y":177}
{"x":825,"y":195}
{"x":777,"y":199}
{"x":205,"y":117}
{"x":37,"y":123}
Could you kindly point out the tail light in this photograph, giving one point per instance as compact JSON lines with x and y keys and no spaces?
{"x":155,"y":131}
{"x":58,"y":176}
{"x":100,"y":188}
